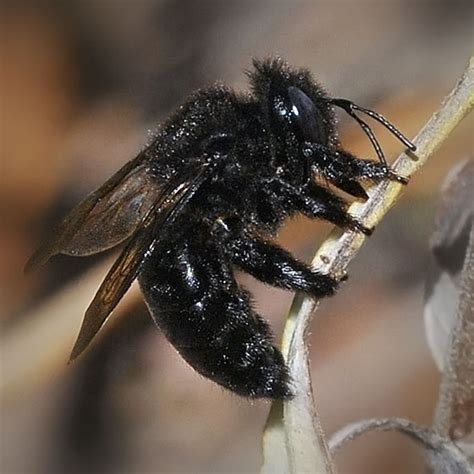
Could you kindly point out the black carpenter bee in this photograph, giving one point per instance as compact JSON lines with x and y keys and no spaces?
{"x":205,"y":197}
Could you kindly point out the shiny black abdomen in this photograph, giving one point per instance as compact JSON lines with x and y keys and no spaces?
{"x":194,"y":299}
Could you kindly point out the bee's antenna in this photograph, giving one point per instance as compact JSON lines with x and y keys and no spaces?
{"x":370,"y":134}
{"x":351,"y":108}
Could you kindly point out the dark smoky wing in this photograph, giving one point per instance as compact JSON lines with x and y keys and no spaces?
{"x":106,"y":217}
{"x":114,"y":286}
{"x":116,"y":216}
{"x":118,"y":280}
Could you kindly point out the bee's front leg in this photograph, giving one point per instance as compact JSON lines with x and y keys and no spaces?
{"x":317,"y":202}
{"x":346,"y":171}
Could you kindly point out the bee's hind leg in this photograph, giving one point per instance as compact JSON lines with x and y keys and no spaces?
{"x":275,"y":266}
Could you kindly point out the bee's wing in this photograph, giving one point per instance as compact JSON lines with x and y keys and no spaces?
{"x":173,"y":198}
{"x":106,"y":217}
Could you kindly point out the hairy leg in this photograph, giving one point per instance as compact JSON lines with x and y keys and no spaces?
{"x":314,"y":201}
{"x":274,"y":265}
{"x":345,"y":170}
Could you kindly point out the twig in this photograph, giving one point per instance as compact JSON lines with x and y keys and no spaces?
{"x":333,"y":257}
{"x":447,"y":455}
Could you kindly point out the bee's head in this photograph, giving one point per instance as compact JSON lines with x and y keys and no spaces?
{"x":295,"y":107}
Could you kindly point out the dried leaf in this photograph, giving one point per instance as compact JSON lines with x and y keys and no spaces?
{"x":455,"y":410}
{"x":449,"y":308}
{"x":449,"y":246}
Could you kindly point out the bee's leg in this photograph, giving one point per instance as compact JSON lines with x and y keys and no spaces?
{"x":273,"y":265}
{"x":318,"y":202}
{"x":193,"y":297}
{"x":345,"y":170}
{"x":314,"y":201}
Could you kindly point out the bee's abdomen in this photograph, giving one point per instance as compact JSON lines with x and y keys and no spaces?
{"x":195,"y":301}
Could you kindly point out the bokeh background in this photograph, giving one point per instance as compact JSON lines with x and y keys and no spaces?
{"x":82,"y":83}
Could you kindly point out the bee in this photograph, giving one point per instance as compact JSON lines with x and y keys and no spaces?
{"x":207,"y":196}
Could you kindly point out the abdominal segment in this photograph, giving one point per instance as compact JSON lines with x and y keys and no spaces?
{"x":194,"y":299}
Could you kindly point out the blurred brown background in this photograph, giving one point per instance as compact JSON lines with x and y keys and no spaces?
{"x":81,"y":84}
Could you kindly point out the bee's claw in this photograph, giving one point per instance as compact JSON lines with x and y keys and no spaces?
{"x":358,"y":226}
{"x":393,"y":176}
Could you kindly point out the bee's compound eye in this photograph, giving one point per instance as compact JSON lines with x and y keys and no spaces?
{"x":221,"y":143}
{"x":306,"y":116}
